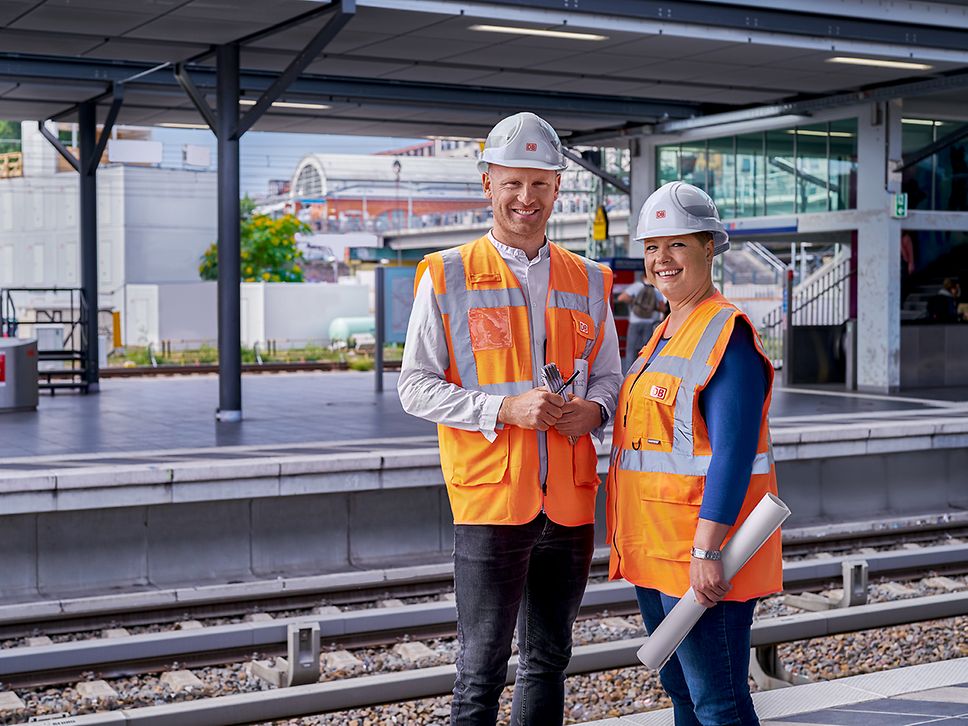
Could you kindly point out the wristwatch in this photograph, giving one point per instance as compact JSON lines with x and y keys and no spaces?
{"x":604,"y":412}
{"x":701,"y":554}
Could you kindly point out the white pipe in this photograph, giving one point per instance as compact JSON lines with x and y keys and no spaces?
{"x":762,"y":522}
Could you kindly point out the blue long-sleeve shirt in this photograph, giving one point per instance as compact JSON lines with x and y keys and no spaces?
{"x":731,"y":405}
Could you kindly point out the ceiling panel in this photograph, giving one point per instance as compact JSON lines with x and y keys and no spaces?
{"x":413,"y":48}
{"x":594,"y":86}
{"x":684,"y":70}
{"x":395,"y":22}
{"x":672,"y":47}
{"x":69,"y":17}
{"x":368,"y":68}
{"x":597,"y":63}
{"x":171,"y":27}
{"x":296,"y":38}
{"x":29,"y":41}
{"x":11,"y":9}
{"x":144,"y":51}
{"x":428,"y":74}
{"x":748,"y":54}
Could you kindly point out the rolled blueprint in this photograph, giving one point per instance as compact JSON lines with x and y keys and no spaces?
{"x":752,"y":534}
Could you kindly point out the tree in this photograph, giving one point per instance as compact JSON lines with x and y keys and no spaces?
{"x":268,"y":248}
{"x":9,"y":136}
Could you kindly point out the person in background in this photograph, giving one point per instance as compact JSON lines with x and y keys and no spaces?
{"x":943,"y":306}
{"x":487,"y":316}
{"x":691,"y":458}
{"x":646,"y":310}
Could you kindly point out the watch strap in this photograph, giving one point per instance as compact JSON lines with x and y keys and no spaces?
{"x":701,"y":554}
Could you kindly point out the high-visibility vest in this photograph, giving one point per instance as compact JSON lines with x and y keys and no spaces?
{"x":489,"y":347}
{"x":660,"y":456}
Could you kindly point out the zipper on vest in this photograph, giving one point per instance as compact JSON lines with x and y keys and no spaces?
{"x":628,"y":399}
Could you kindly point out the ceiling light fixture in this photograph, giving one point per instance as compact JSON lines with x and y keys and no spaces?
{"x":173,"y":125}
{"x":513,"y":30}
{"x":813,"y":132}
{"x":286,"y":104}
{"x":878,"y":63}
{"x":920,"y":122}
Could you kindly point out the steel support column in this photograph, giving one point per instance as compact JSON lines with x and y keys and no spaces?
{"x":87,"y":180}
{"x":229,"y":221}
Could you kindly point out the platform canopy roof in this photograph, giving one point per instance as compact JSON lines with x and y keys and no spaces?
{"x":430,"y":67}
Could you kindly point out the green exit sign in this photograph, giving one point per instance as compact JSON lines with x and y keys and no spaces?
{"x":900,"y":206}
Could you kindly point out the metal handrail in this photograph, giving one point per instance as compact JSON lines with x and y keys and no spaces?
{"x":761,"y":251}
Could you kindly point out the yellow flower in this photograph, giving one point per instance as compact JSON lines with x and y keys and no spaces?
{"x":266,"y":275}
{"x":248,"y":270}
{"x":297,"y":269}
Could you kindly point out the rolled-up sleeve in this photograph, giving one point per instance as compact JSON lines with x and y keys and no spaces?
{"x":423,"y":388}
{"x":605,"y":376}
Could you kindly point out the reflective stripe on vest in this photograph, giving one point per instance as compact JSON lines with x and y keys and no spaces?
{"x":665,"y":462}
{"x":693,"y":371}
{"x":458,"y":300}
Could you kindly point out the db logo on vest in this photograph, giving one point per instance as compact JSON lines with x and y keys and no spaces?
{"x":658,"y":392}
{"x":583,"y":327}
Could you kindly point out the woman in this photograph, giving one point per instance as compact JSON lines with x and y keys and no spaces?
{"x":690,"y":459}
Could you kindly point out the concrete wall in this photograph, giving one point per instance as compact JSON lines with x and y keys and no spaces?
{"x":298,"y":312}
{"x":334,"y":521}
{"x":933,"y":356}
{"x":153,"y":224}
{"x":186,"y":313}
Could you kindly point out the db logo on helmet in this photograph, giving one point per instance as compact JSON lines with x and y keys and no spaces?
{"x":660,"y":214}
{"x":530,"y":147}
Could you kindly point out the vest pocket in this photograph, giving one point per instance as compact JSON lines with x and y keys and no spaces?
{"x":470,"y":460}
{"x":585,"y":462}
{"x":584,"y":328}
{"x":490,"y":328}
{"x":651,"y":419}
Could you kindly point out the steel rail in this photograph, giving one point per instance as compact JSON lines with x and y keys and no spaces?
{"x":55,"y":663}
{"x":425,"y":682}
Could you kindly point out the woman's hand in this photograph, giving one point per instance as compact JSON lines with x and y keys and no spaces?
{"x":707,"y":581}
{"x":706,"y":576}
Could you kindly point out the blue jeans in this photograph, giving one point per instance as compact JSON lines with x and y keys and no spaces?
{"x":708,"y":676}
{"x":637,"y":336}
{"x":533,"y":574}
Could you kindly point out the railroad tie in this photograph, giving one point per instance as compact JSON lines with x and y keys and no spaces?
{"x":182,"y":680}
{"x":10,"y":701}
{"x":96,"y":691}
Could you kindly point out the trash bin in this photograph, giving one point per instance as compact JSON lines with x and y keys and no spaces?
{"x":18,"y":374}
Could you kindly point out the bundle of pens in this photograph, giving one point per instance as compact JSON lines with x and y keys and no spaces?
{"x":556,"y":384}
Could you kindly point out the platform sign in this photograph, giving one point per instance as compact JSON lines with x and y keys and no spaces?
{"x":600,"y":225}
{"x":900,"y":206}
{"x":398,"y":302}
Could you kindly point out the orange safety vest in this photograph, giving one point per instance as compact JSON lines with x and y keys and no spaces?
{"x":488,"y":337}
{"x":660,"y":456}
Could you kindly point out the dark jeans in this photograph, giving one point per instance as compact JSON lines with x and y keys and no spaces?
{"x":708,"y":677}
{"x":531,"y":573}
{"x":638,"y":335}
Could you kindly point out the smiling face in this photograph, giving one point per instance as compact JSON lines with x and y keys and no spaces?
{"x":680,"y":267}
{"x":522,"y":200}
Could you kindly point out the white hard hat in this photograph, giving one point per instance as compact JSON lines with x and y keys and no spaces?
{"x":680,"y":208}
{"x":523,"y":141}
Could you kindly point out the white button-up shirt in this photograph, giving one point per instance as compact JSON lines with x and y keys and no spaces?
{"x":424,"y":390}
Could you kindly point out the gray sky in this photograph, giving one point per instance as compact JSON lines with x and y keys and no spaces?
{"x":266,"y":155}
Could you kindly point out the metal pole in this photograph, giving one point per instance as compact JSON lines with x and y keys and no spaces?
{"x":229,"y":260}
{"x":788,"y":327}
{"x":87,"y":181}
{"x":380,"y":327}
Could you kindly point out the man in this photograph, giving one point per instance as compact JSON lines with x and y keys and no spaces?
{"x":646,"y":310}
{"x":486,"y":317}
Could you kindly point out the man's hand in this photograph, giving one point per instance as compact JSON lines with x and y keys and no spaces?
{"x":578,"y":417}
{"x":707,"y":581}
{"x":536,"y":409}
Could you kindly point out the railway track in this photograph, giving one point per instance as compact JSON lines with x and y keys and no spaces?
{"x":429,"y":581}
{"x":71,"y":660}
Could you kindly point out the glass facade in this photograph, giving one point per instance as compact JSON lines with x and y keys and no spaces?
{"x":939,"y":182}
{"x":806,"y":169}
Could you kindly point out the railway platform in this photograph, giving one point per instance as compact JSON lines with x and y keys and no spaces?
{"x":932,"y":693}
